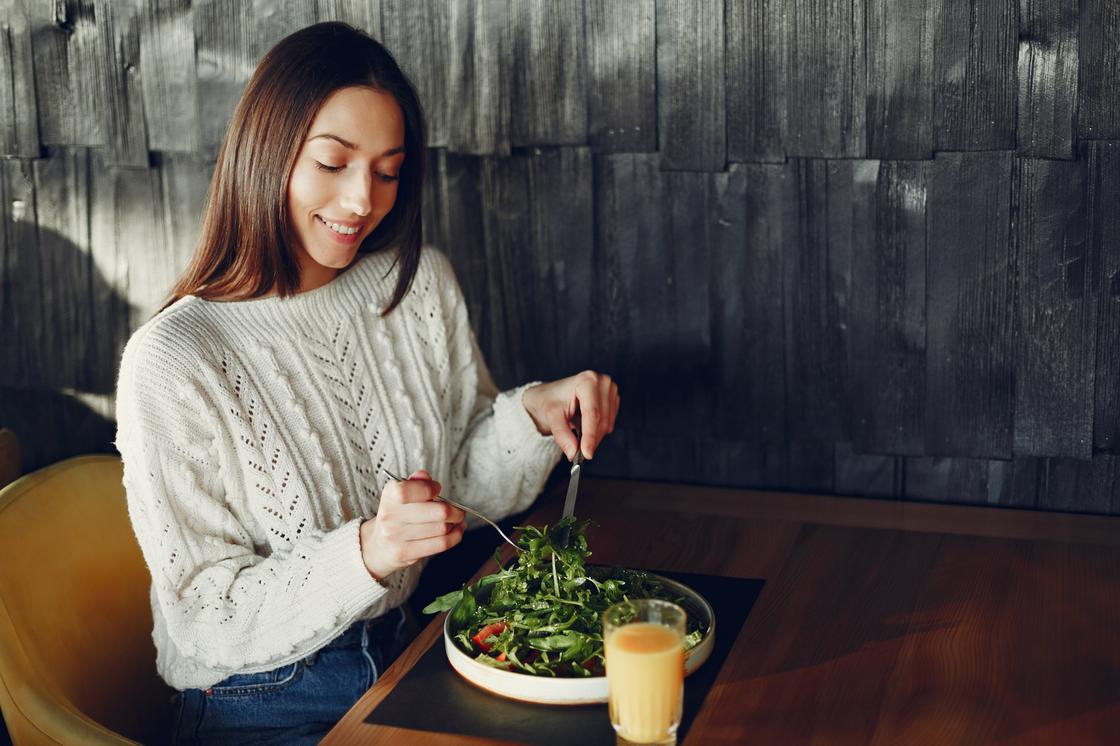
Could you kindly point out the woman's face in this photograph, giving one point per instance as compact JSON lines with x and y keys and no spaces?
{"x":344,"y":180}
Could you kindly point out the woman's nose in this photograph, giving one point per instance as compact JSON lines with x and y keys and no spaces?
{"x":356,"y":195}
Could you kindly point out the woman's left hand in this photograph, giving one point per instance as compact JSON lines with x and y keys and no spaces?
{"x":553,"y":407}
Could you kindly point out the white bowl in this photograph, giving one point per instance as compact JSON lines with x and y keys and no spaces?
{"x":568,"y":691}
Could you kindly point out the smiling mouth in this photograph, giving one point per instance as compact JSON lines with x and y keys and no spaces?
{"x":340,"y":228}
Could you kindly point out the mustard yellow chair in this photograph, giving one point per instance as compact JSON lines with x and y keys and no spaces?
{"x":77,"y":662}
{"x":10,"y":456}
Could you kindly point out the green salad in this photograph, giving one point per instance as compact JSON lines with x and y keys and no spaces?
{"x":543,"y":614}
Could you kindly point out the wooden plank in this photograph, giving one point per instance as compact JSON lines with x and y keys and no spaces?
{"x":621,"y":75}
{"x":558,"y":288}
{"x":1098,"y":80}
{"x":184,"y":181}
{"x":867,"y":474}
{"x":756,"y":80}
{"x":548,"y":97}
{"x":127,"y":238}
{"x":1015,"y":483}
{"x":974,"y":603}
{"x":654,"y":259}
{"x":272,"y":20}
{"x":22,"y":324}
{"x":755,"y":223}
{"x":956,"y":480}
{"x":974,"y":52}
{"x":887,"y":317}
{"x":70,"y":88}
{"x":504,"y":186}
{"x":453,"y":223}
{"x":900,"y":74}
{"x":1056,"y":313}
{"x":361,"y":14}
{"x":970,"y":317}
{"x":691,"y":108}
{"x":827,"y":80}
{"x":416,"y":32}
{"x":1104,"y":229}
{"x":224,"y":44}
{"x":19,"y":125}
{"x":126,"y":133}
{"x":1048,"y":72}
{"x":743,"y":463}
{"x":479,"y":76}
{"x":66,"y":340}
{"x":817,"y":681}
{"x":1091,"y":486}
{"x":167,"y":64}
{"x":835,"y":212}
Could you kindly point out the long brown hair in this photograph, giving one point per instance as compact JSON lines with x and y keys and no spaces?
{"x":246,"y":246}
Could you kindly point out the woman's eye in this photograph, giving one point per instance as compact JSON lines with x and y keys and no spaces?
{"x":325,"y":167}
{"x":388,"y":177}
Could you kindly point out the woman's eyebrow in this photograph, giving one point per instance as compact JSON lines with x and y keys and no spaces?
{"x":352,"y":146}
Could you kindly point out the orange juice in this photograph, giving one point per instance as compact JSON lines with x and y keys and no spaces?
{"x":645,"y":678}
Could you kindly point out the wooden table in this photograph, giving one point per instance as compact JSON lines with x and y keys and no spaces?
{"x":881,"y":622}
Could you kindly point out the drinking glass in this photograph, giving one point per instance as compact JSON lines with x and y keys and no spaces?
{"x":643,"y":641}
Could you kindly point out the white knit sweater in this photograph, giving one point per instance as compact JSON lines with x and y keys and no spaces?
{"x":254,"y":436}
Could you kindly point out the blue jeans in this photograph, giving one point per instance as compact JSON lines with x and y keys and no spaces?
{"x":297,"y":703}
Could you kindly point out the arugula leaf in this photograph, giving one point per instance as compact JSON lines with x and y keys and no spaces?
{"x":551,"y":605}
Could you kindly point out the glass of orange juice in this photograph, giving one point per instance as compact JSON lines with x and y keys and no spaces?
{"x":643,"y":641}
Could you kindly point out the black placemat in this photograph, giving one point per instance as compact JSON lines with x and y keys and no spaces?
{"x":432,"y":697}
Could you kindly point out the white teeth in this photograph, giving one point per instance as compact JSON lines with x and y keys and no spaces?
{"x":340,"y":228}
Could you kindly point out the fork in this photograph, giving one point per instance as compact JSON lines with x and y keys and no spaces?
{"x":463,"y":508}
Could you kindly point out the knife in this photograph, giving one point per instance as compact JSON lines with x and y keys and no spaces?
{"x":570,"y":498}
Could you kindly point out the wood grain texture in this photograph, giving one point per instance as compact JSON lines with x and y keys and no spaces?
{"x":168,"y":77}
{"x":969,"y":326}
{"x":900,"y":74}
{"x":548,"y":94}
{"x":19,"y":125}
{"x":974,"y":52}
{"x":691,"y":104}
{"x":272,"y":20}
{"x":656,"y":331}
{"x":857,"y":472}
{"x":887,"y":317}
{"x":362,"y":14}
{"x":1091,"y":486}
{"x":557,"y":270}
{"x":755,"y":223}
{"x":126,"y":131}
{"x":1047,"y":73}
{"x":1104,"y":247}
{"x":416,"y":32}
{"x":70,"y":82}
{"x":1098,"y":80}
{"x":963,"y":480}
{"x":827,"y":78}
{"x":756,"y":80}
{"x":480,"y":76}
{"x":224,"y":48}
{"x":621,"y":47}
{"x":881,"y":621}
{"x":836,"y":202}
{"x":21,"y":276}
{"x":1056,"y":313}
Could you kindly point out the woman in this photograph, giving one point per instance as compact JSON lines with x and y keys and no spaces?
{"x":310,"y":348}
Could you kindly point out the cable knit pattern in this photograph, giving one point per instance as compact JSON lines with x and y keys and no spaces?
{"x":254,"y":436}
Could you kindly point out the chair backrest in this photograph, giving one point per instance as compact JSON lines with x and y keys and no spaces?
{"x":77,"y":662}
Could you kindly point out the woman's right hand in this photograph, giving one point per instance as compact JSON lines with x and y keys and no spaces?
{"x":409,"y":526}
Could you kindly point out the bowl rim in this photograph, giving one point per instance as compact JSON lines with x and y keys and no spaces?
{"x":526,"y":687}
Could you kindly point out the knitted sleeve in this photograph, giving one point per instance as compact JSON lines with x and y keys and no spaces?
{"x":225,"y":606}
{"x":499,"y":462}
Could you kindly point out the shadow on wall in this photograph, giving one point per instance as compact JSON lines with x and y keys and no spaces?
{"x":63,"y":325}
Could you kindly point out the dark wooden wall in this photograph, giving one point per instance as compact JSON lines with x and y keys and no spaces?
{"x":848,"y":246}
